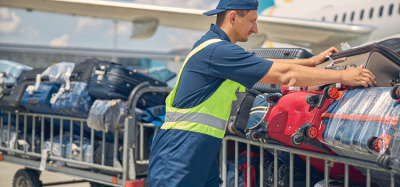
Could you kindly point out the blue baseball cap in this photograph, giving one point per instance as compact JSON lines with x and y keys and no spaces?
{"x":225,"y":5}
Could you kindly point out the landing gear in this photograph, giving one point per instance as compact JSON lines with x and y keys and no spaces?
{"x":27,"y":178}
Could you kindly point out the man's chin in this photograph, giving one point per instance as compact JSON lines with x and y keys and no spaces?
{"x":244,"y":40}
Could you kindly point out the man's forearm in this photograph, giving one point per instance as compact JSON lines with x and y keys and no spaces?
{"x":303,"y":62}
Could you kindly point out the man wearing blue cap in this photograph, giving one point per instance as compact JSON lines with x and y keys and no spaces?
{"x":184,"y":151}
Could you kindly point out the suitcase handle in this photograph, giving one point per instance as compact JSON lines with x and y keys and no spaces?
{"x":33,"y":102}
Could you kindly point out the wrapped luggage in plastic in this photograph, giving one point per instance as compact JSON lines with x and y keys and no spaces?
{"x":76,"y":102}
{"x":59,"y":73}
{"x":360,"y":125}
{"x":358,"y":117}
{"x":63,"y":150}
{"x":107,"y":115}
{"x":11,"y":71}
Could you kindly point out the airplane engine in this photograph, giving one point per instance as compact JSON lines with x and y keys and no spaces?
{"x":144,"y":28}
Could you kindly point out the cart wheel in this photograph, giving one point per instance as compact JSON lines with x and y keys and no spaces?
{"x":283,"y":176}
{"x":394,"y":92}
{"x":26,"y":178}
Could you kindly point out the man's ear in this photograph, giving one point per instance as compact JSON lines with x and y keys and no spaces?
{"x":232,"y":15}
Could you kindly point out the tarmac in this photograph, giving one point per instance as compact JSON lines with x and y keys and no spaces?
{"x":8,"y":170}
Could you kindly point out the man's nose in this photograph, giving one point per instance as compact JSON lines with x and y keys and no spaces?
{"x":254,"y":28}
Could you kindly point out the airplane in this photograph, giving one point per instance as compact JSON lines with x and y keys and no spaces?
{"x":326,"y":24}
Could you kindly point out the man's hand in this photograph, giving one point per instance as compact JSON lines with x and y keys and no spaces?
{"x":322,"y":56}
{"x":358,"y":76}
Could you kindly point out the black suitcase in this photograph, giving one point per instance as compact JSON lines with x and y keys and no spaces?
{"x":393,"y":44}
{"x":381,"y":61}
{"x":84,"y":70}
{"x":115,"y":81}
{"x":280,"y":53}
{"x":277,"y":53}
{"x":240,"y":112}
{"x":12,"y":93}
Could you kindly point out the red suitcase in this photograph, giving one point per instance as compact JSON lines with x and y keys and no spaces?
{"x":295,"y":120}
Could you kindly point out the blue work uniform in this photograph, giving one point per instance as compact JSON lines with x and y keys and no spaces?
{"x":185,"y":158}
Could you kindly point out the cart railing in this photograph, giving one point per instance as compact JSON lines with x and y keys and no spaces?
{"x":115,"y":174}
{"x":292,"y":151}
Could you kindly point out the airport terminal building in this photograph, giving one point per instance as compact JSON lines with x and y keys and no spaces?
{"x":43,"y":56}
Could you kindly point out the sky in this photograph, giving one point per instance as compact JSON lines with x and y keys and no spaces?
{"x":56,"y":30}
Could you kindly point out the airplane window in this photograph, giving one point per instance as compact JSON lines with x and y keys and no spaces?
{"x":344,"y":17}
{"x":352,"y":16}
{"x":390,"y":9}
{"x":335,"y":18}
{"x":371,"y":12}
{"x":361,"y":14}
{"x":381,"y":11}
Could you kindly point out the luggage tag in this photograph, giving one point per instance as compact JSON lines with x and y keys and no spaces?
{"x":45,"y":155}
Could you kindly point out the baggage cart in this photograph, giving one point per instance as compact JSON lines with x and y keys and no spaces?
{"x":128,"y":163}
{"x":286,"y":178}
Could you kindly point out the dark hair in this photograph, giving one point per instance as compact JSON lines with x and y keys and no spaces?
{"x":221,"y":16}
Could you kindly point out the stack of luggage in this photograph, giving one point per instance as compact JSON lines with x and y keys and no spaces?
{"x":354,"y":122}
{"x":94,"y":89}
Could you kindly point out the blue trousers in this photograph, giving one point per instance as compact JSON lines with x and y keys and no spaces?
{"x":183,"y":158}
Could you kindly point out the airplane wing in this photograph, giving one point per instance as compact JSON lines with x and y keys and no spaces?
{"x":146,"y":18}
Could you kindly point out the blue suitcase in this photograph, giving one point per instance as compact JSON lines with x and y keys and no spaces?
{"x":75,"y":102}
{"x":12,"y":93}
{"x":360,"y":125}
{"x":11,"y":71}
{"x":114,"y":81}
{"x":39,"y":101}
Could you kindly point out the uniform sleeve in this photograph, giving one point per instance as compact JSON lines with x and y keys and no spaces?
{"x":230,"y":61}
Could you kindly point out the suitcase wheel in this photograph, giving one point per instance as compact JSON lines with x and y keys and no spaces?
{"x":383,"y":161}
{"x":331,"y":92}
{"x":374,"y":143}
{"x":311,"y":132}
{"x":297,"y":139}
{"x":395,"y":92}
{"x":283,"y":176}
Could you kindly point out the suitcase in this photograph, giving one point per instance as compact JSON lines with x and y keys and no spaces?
{"x":39,"y":101}
{"x":116,"y":81}
{"x":11,"y":71}
{"x":381,"y":61}
{"x":83,"y":71}
{"x":107,"y":115}
{"x":294,"y":120}
{"x":12,"y":93}
{"x":359,"y":125}
{"x":281,"y":53}
{"x":392,"y":43}
{"x":74,"y":102}
{"x":58,"y":73}
{"x":162,"y":74}
{"x":240,"y":112}
{"x":277,"y":53}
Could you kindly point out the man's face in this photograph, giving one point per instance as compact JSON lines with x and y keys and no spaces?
{"x":245,"y":26}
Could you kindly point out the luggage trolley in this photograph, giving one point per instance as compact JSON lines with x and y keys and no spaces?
{"x":126,"y":167}
{"x":285,"y":176}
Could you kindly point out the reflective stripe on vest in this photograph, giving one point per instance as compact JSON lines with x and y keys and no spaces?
{"x":209,"y":117}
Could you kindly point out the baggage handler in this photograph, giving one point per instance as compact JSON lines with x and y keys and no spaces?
{"x":184,"y":152}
